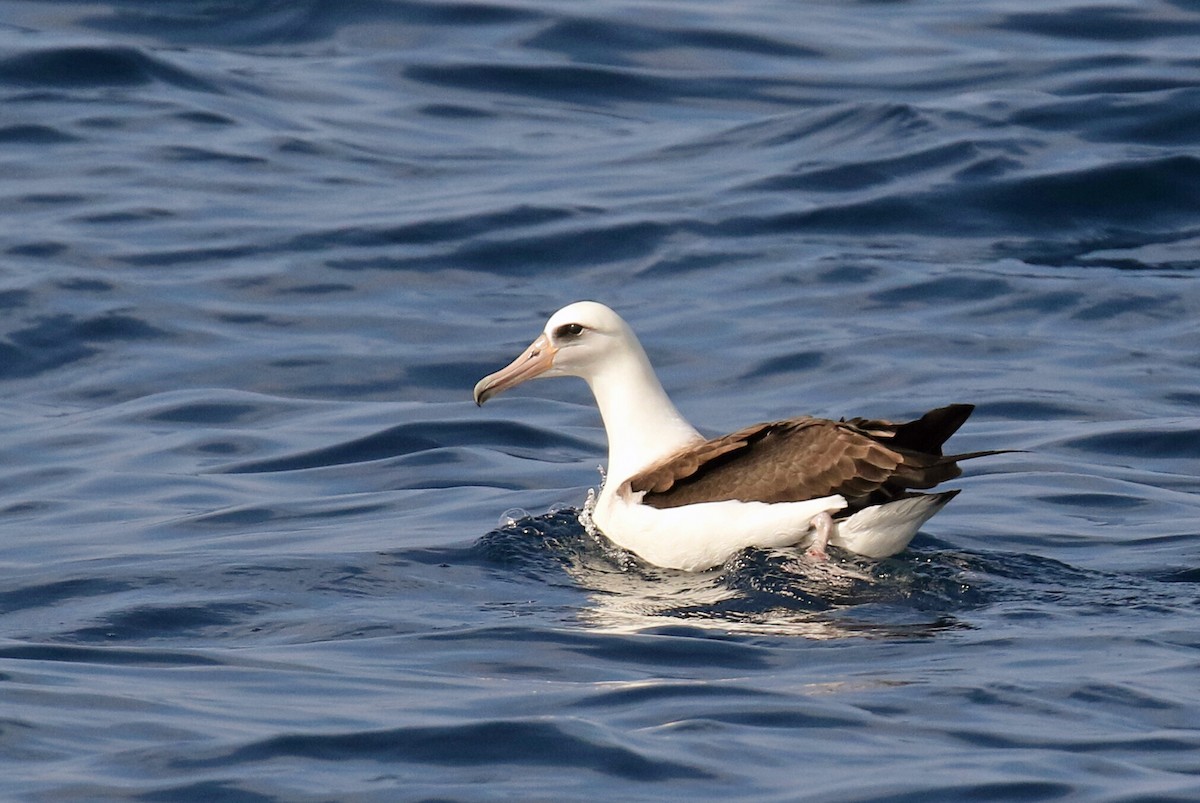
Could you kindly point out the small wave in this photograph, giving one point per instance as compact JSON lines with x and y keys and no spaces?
{"x":433,"y":229}
{"x":147,"y":623}
{"x":1100,"y":23}
{"x":1142,"y":196}
{"x":93,"y":66}
{"x":105,"y":656}
{"x":565,"y":744}
{"x":57,"y":340}
{"x":607,"y":41}
{"x":34,"y":135}
{"x":424,"y":436}
{"x":590,"y":84}
{"x":1153,"y":118}
{"x":822,"y":134}
{"x":191,"y":153}
{"x":1141,"y":440}
{"x":864,"y":175}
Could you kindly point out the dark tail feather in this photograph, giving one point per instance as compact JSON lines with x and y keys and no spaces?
{"x":924,"y":465}
{"x":930,"y":431}
{"x":954,"y":458}
{"x":925,"y":471}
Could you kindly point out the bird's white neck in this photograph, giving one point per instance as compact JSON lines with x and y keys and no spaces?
{"x":642,"y":424}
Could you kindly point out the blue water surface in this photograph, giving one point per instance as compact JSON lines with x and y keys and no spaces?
{"x":257,"y":542}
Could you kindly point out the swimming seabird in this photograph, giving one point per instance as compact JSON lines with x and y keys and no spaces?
{"x":681,"y":501}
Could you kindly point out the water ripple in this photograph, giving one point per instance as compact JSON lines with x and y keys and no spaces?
{"x":95,"y":66}
{"x":496,"y":742}
{"x":257,"y":255}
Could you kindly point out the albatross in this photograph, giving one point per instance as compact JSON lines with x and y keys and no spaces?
{"x":682,"y":501}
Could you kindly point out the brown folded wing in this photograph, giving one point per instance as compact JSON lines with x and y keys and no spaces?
{"x":802,"y":458}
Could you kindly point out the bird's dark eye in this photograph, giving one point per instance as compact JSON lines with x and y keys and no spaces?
{"x":569,"y":330}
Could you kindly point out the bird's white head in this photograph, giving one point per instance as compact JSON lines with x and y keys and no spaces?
{"x":578,"y":340}
{"x":590,"y":341}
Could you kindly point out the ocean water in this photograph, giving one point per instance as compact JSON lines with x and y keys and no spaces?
{"x":257,"y":543}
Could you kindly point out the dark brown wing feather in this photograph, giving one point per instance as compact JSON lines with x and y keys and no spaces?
{"x":802,"y":458}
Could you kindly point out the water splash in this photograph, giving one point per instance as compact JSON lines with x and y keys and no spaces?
{"x":514,"y":515}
